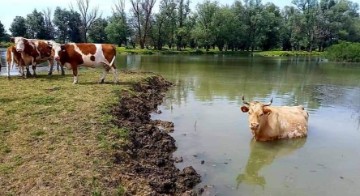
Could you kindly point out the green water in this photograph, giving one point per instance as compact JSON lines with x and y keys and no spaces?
{"x":209,"y":126}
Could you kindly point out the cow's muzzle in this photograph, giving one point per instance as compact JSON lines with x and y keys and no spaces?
{"x":254,"y":126}
{"x":19,"y":50}
{"x":57,"y":58}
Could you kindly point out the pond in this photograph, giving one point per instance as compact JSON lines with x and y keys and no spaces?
{"x":212,"y":133}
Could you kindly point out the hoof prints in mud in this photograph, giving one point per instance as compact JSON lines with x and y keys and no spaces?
{"x":147,"y":157}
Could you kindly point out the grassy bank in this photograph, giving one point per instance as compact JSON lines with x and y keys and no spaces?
{"x":5,"y":44}
{"x":55,"y":137}
{"x":189,"y":51}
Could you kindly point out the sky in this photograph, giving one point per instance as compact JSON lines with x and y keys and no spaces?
{"x":11,"y":8}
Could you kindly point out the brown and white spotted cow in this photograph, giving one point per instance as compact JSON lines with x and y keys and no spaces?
{"x":74,"y":55}
{"x":34,"y":52}
{"x":14,"y":57}
{"x":275,"y":122}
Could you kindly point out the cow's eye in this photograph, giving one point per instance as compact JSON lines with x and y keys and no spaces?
{"x":261,"y":114}
{"x":249,"y":112}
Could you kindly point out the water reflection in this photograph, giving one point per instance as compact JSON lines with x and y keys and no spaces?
{"x":263,"y":154}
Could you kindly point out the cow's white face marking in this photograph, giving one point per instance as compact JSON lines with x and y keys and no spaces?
{"x":56,"y":47}
{"x":19,"y":44}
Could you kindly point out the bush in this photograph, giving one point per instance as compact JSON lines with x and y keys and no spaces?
{"x":344,"y":51}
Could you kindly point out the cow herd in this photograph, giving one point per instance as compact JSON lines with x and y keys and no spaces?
{"x":31,"y":52}
{"x":265,"y":121}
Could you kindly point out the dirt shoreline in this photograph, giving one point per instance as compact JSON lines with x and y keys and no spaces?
{"x":146,"y":162}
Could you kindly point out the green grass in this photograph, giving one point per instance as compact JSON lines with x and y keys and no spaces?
{"x":55,"y":137}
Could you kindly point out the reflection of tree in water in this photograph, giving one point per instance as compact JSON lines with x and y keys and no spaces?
{"x":264,"y":153}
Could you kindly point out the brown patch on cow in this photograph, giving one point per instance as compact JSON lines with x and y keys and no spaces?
{"x":44,"y":49}
{"x":30,"y":49}
{"x":92,"y":58}
{"x":87,"y":48}
{"x":69,"y":55}
{"x":109,"y":51}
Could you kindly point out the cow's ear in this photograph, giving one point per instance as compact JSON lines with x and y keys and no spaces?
{"x":244,"y":108}
{"x":12,"y":39}
{"x":266,"y":110}
{"x":62,"y":47}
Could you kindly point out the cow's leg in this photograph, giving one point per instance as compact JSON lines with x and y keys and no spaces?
{"x":34,"y":70}
{"x":23,"y":74}
{"x":28,"y":74}
{"x":106,"y":70}
{"x":75,"y":74}
{"x":113,"y":67}
{"x":51,"y":66}
{"x":62,"y":69}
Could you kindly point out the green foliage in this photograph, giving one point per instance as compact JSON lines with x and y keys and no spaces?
{"x":117,"y":29}
{"x":2,"y":32}
{"x":97,"y":32}
{"x":18,"y":27}
{"x":35,"y":25}
{"x":344,"y":51}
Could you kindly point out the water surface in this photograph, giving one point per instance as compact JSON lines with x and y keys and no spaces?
{"x":212,"y":133}
{"x":210,"y":128}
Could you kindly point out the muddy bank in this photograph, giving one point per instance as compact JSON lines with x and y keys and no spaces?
{"x":146,"y":161}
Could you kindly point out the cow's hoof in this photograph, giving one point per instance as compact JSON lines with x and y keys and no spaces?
{"x":102,"y":81}
{"x":50,"y":73}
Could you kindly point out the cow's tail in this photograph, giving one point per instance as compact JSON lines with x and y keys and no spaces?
{"x":113,"y":60}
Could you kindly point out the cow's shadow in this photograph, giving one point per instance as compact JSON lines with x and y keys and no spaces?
{"x":264,"y":153}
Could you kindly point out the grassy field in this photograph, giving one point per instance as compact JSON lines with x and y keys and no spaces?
{"x":56,"y":137}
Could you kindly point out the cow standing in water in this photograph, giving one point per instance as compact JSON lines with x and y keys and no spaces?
{"x":32,"y":52}
{"x":74,"y":55}
{"x":270,"y":122}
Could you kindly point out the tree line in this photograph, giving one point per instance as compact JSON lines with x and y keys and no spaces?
{"x":244,"y":25}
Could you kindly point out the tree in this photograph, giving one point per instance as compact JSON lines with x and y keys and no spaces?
{"x":87,"y":17}
{"x":118,"y":29}
{"x":35,"y":25}
{"x":182,"y":16}
{"x":61,"y":22}
{"x":74,"y":24}
{"x":142,"y":12}
{"x":2,"y":32}
{"x":164,"y":25}
{"x":49,"y":27}
{"x":97,"y":33}
{"x":18,"y":27}
{"x":204,"y":31}
{"x":309,"y":9}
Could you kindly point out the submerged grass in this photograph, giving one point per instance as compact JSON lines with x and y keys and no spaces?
{"x":54,"y":136}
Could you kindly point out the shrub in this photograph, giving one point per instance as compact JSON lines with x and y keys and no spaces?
{"x":344,"y":51}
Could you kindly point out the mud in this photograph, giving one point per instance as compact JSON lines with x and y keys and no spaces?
{"x":146,"y":159}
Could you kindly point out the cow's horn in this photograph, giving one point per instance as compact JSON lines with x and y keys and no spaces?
{"x":268,"y":104}
{"x":245,"y":102}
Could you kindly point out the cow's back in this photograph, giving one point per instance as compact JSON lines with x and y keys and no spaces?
{"x":293,"y":121}
{"x":92,"y":54}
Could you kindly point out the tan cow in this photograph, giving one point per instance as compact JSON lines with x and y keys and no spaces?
{"x":74,"y":55}
{"x":34,"y":52}
{"x":275,"y":122}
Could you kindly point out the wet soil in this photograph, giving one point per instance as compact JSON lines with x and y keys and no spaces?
{"x":146,"y":160}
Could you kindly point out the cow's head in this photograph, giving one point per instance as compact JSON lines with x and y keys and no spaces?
{"x":57,"y":50}
{"x":19,"y":43}
{"x":257,"y":112}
